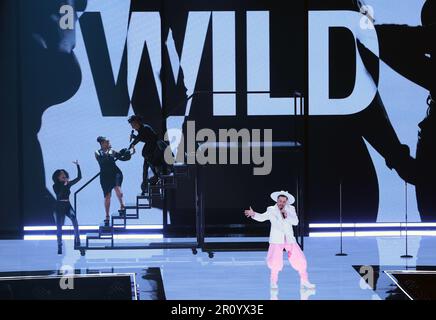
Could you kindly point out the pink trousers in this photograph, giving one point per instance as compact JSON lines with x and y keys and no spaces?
{"x":295,"y":255}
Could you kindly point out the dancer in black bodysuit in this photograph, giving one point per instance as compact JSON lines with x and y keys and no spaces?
{"x":63,"y":208}
{"x":153,"y":151}
{"x":111,"y":176}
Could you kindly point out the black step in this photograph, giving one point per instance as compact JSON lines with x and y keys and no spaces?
{"x":180,"y":169}
{"x":125,"y":217}
{"x":95,"y":236}
{"x":130,"y":207}
{"x":157,"y":192}
{"x":156,"y":188}
{"x":171,"y":175}
{"x":105,"y":230}
{"x":141,"y":196}
{"x":140,"y":206}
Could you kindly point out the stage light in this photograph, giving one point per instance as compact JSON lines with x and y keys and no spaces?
{"x":393,"y":233}
{"x":130,"y":227}
{"x":330,"y":234}
{"x":372,"y":225}
{"x":330,"y":225}
{"x":82,"y":237}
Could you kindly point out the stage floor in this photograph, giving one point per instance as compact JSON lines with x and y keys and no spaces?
{"x":243,"y":275}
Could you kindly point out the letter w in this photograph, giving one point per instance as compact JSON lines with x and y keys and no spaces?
{"x":113,"y":96}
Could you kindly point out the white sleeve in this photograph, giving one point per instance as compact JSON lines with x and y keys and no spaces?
{"x":292,"y":215}
{"x":261,"y":217}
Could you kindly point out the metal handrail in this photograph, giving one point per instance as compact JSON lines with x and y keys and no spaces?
{"x":81,"y":188}
{"x":293,"y":94}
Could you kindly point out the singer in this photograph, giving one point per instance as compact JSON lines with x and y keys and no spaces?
{"x":282,"y":217}
{"x":153,"y":151}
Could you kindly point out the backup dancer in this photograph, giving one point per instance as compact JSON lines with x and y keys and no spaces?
{"x":153,"y":151}
{"x":63,"y":208}
{"x":282,"y":217}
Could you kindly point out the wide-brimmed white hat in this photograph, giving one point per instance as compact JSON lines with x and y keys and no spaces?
{"x":276,"y":194}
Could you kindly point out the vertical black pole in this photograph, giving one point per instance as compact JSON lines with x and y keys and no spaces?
{"x":164,"y":110}
{"x":198,"y":210}
{"x":341,"y":253}
{"x":304,"y":165}
{"x":305,"y":138}
{"x":407,"y":255}
{"x":297,"y":192}
{"x":20,"y":120}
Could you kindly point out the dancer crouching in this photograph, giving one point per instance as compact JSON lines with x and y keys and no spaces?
{"x":153,"y":152}
{"x":282,"y":217}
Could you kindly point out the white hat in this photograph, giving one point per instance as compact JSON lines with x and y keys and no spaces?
{"x":276,"y":194}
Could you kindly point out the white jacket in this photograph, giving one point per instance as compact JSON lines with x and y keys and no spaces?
{"x":281,"y":229}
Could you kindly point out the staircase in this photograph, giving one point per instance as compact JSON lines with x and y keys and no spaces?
{"x":105,"y":238}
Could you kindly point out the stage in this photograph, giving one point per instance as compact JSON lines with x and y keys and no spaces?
{"x":242,"y":275}
{"x":174,"y":149}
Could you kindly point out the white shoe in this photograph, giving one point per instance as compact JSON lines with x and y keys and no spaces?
{"x":307,"y":285}
{"x":306,"y":293}
{"x":274,"y":294}
{"x":274,"y":285}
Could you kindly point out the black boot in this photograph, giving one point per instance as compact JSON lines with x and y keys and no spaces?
{"x":153,"y":180}
{"x":76,"y":242}
{"x":144,"y":188}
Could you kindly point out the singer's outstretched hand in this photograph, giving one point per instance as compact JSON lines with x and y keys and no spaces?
{"x":249,"y":213}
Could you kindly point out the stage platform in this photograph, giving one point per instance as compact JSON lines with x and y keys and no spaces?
{"x":243,"y":275}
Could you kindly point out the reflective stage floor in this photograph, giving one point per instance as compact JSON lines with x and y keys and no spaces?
{"x":244,"y":275}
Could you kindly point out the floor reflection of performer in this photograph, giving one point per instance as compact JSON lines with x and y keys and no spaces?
{"x":63,"y":208}
{"x":153,"y":151}
{"x":111,"y":176}
{"x":304,"y":293}
{"x":282,"y":217}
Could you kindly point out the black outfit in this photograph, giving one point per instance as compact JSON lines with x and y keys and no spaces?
{"x":64,"y":209}
{"x":110,"y":175}
{"x":153,"y":153}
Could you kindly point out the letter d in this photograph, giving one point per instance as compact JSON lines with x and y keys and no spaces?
{"x":364,"y":87}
